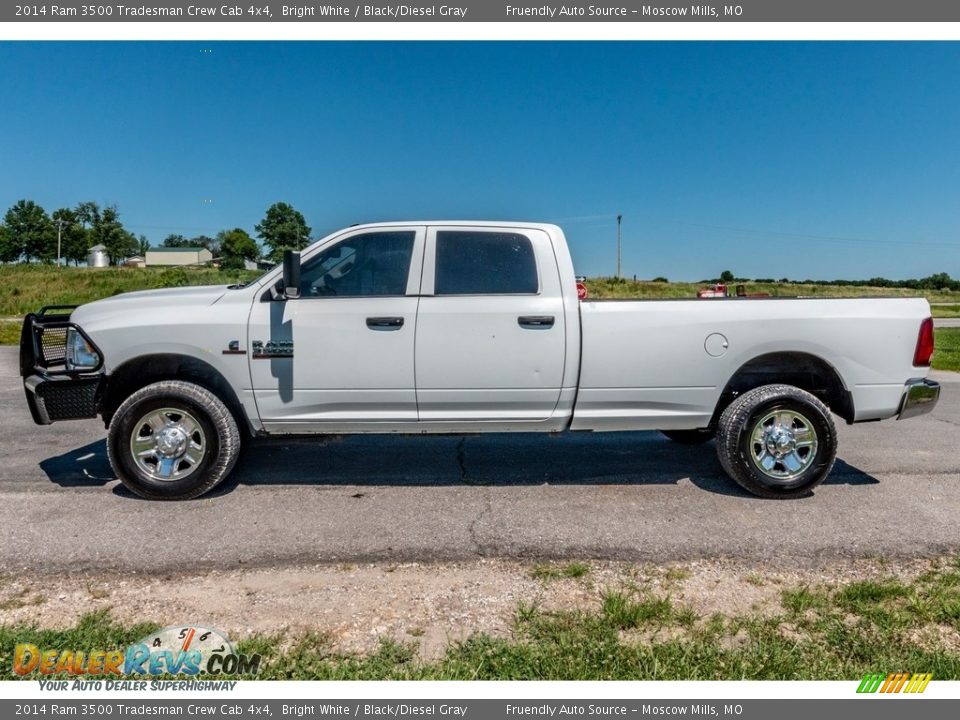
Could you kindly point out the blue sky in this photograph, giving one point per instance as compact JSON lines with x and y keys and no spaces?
{"x":775,"y":159}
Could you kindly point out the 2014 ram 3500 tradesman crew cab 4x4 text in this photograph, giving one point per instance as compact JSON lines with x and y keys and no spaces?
{"x":466,"y":327}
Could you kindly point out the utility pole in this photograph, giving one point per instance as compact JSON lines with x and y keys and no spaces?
{"x":619,"y":246}
{"x":60,"y":223}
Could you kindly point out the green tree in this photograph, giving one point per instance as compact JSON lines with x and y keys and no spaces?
{"x":207,"y":242}
{"x":726,"y":276}
{"x":108,"y":231}
{"x":937,"y":281}
{"x":31,"y":231}
{"x":236,"y":246}
{"x":143,"y":246}
{"x":87,"y":214}
{"x":283,"y":227}
{"x":176,"y":241}
{"x":73,"y":235}
{"x":9,"y":249}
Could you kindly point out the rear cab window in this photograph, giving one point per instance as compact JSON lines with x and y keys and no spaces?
{"x":471,"y":262}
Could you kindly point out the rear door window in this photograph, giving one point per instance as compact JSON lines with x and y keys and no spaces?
{"x":484,"y":263}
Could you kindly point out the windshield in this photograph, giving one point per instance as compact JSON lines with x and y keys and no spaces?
{"x":257,"y":279}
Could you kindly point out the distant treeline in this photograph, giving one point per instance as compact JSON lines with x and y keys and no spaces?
{"x":29,"y":234}
{"x":937,"y":281}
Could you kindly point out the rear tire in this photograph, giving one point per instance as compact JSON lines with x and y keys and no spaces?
{"x":172,"y":440}
{"x":777,"y":441}
{"x":689,"y":437}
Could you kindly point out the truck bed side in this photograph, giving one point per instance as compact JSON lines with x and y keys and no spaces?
{"x":665,"y":364}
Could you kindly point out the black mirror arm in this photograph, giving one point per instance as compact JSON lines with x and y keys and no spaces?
{"x":291,"y":274}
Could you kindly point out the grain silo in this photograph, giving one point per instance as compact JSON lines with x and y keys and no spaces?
{"x":97,"y":257}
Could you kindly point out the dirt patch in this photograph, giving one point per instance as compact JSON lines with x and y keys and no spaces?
{"x":432,"y":604}
{"x":936,"y":637}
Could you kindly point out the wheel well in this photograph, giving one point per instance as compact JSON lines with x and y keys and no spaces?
{"x":142,"y":371}
{"x":802,"y":370}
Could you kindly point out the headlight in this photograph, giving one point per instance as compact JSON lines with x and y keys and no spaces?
{"x":80,"y":353}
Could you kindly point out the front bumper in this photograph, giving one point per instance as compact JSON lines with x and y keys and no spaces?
{"x":920,"y":396}
{"x":62,"y":398}
{"x":54,"y":392}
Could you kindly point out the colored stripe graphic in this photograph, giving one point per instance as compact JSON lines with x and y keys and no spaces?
{"x":898,"y":682}
{"x":870,"y":682}
{"x":894,"y":683}
{"x":918,"y":683}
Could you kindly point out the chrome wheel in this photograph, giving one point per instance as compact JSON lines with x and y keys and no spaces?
{"x":783,"y":444}
{"x":167,"y":444}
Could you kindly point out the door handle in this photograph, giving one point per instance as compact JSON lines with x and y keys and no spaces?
{"x":384,"y":323}
{"x":535,"y":322}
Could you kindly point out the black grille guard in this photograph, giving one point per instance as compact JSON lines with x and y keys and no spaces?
{"x":43,"y":343}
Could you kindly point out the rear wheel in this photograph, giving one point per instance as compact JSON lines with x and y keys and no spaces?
{"x":777,"y":441}
{"x":689,"y":437}
{"x":172,"y":440}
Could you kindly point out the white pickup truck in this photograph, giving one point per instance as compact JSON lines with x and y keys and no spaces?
{"x":466,"y":327}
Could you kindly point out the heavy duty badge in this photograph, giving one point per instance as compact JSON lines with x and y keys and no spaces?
{"x":273,"y":349}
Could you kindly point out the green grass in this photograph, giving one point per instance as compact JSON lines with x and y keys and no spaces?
{"x":557,"y":572}
{"x":623,"y":612}
{"x":946,"y":355}
{"x":820,"y":633}
{"x":25,"y":288}
{"x":946,"y":311}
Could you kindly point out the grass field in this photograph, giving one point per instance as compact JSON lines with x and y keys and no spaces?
{"x":836,"y":631}
{"x":947,"y":353}
{"x":613,"y":288}
{"x":25,"y":288}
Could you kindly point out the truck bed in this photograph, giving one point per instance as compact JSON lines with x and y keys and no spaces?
{"x":665,"y":363}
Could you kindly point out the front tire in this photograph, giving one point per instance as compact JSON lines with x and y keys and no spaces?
{"x":172,"y":440}
{"x":777,"y":441}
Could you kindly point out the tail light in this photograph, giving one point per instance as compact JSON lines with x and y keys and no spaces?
{"x":924,"y":351}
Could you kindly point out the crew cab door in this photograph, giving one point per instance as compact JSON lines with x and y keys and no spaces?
{"x":342,"y":353}
{"x":490,"y":326}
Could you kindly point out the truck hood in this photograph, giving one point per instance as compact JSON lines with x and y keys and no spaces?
{"x":168,"y":297}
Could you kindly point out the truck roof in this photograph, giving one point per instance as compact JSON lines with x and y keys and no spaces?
{"x":466,"y":223}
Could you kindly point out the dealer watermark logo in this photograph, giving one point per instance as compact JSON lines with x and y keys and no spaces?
{"x":190,"y":650}
{"x":894,"y":682}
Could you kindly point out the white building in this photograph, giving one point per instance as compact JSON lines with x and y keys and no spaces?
{"x":178,"y":256}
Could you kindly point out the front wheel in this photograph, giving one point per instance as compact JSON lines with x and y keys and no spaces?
{"x":172,"y":440}
{"x":777,"y":441}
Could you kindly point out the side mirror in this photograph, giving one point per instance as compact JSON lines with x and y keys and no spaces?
{"x":291,"y":274}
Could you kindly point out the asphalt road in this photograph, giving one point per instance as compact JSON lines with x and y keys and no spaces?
{"x":895,"y":491}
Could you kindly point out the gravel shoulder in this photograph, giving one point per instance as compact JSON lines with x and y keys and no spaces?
{"x":431,"y":604}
